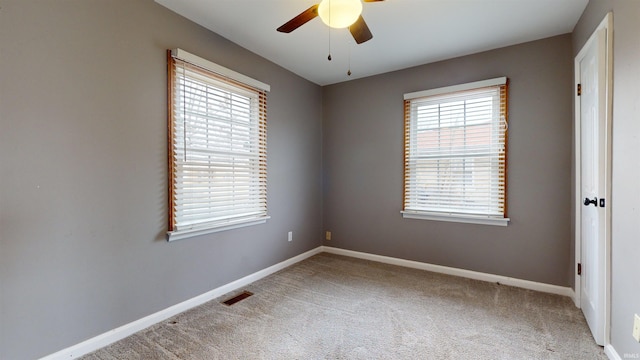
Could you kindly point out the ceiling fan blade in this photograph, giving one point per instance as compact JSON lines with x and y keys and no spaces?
{"x":372,"y":0}
{"x":299,"y":20}
{"x":360,"y":31}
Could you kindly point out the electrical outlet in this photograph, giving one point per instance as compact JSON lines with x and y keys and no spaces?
{"x":290,"y":236}
{"x":327,"y":235}
{"x":636,"y":327}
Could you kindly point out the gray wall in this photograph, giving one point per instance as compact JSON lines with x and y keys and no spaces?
{"x":625,"y":225}
{"x":83,"y":176}
{"x":363,"y":162}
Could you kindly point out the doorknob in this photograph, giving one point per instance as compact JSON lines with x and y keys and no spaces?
{"x":587,"y":202}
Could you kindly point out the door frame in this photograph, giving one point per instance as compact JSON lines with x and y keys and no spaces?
{"x":607,"y":23}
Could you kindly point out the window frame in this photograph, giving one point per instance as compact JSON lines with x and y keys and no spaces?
{"x":446,"y":93}
{"x":235,"y":84}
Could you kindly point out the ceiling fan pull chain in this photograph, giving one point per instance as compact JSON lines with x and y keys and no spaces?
{"x":329,"y":57}
{"x":349,"y":70}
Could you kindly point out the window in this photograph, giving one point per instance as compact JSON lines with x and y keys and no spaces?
{"x":217,"y":147}
{"x":455,"y":153}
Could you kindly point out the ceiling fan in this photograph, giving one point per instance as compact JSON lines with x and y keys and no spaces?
{"x":336,"y":14}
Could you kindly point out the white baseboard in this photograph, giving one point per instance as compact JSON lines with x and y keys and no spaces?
{"x":504,"y":280}
{"x":611,"y":353}
{"x":122,"y":332}
{"x":574,"y":298}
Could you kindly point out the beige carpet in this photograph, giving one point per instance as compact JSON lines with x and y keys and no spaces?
{"x":334,"y":307}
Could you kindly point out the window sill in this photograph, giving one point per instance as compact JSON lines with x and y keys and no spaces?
{"x":184,"y":234}
{"x":459,"y":218}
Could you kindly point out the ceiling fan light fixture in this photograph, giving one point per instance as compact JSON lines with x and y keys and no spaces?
{"x":339,"y":14}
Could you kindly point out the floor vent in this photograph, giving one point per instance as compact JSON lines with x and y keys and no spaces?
{"x":243,"y":295}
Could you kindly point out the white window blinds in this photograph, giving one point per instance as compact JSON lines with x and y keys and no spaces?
{"x":455,"y":152}
{"x":218,"y":151}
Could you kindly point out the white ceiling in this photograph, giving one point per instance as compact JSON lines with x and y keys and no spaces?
{"x":405,"y":32}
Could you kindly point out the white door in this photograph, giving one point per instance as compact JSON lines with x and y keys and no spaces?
{"x":593,"y":182}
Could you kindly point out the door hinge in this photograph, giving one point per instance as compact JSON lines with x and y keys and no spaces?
{"x":579,"y":269}
{"x":601,"y":202}
{"x":579,"y":89}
